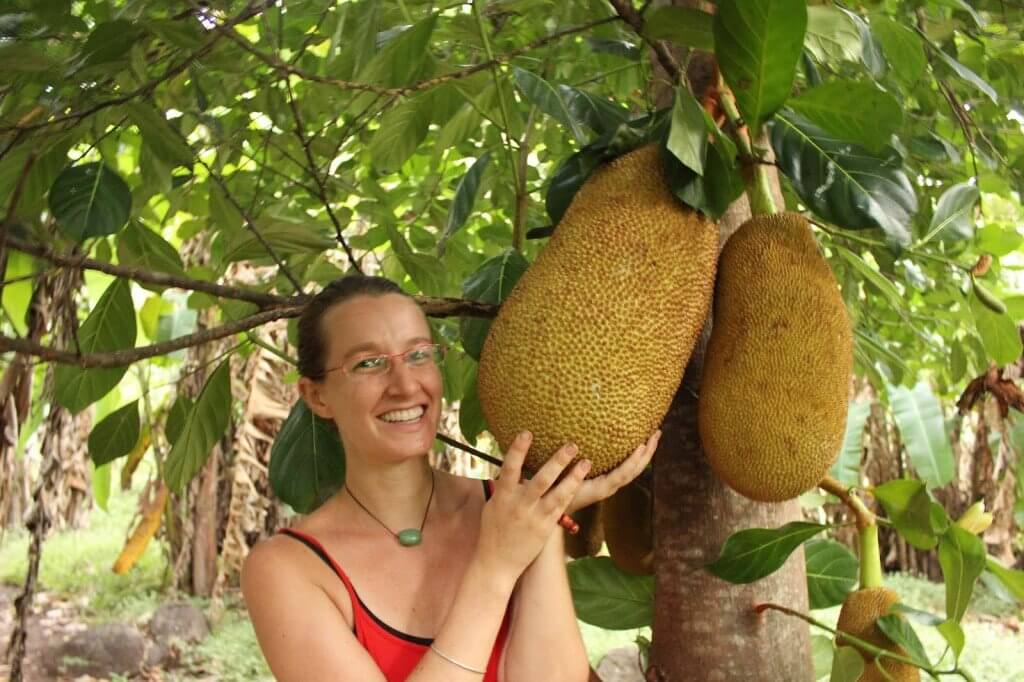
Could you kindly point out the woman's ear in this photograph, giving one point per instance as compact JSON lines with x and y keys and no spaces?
{"x":310,"y":391}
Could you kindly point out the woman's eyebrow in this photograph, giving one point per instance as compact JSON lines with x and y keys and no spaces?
{"x":371,"y":346}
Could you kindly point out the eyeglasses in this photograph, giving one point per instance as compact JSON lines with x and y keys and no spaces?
{"x":420,"y":357}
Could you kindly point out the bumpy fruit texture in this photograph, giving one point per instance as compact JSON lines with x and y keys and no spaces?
{"x":591,"y":344}
{"x":627,"y":517}
{"x":773,"y":399}
{"x":589,"y":539}
{"x":857,"y":618}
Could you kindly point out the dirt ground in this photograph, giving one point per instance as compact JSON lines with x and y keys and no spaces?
{"x":51,"y":620}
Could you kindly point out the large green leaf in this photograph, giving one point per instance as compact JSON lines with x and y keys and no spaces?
{"x":1012,"y":579}
{"x":752,"y":554}
{"x":842,"y":182}
{"x":846,"y":468}
{"x":163,"y":140}
{"x":307,"y":461}
{"x":547,"y":98}
{"x":608,"y":597}
{"x":831,"y":572}
{"x":140,"y":247}
{"x":683,"y":26}
{"x":962,"y":558}
{"x":109,"y":327}
{"x":90,"y":200}
{"x":204,"y":425}
{"x":593,"y":111}
{"x":115,"y":435}
{"x":426,"y":271}
{"x":847,"y":665}
{"x":903,"y":48}
{"x":758,"y":44}
{"x":491,"y":283}
{"x":832,"y":36}
{"x":872,"y":276}
{"x":967,"y":74}
{"x":851,"y":110}
{"x":918,"y":415}
{"x":465,"y":197}
{"x":909,"y":509}
{"x":285,"y":237}
{"x":402,"y":129}
{"x":688,"y":134}
{"x":953,"y":218}
{"x":901,"y":632}
{"x":998,"y":333}
{"x":402,"y":58}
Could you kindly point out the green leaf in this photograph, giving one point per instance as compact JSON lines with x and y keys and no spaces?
{"x":307,"y":461}
{"x":846,"y":468}
{"x":844,"y":183}
{"x":17,"y":296}
{"x":402,"y":129}
{"x":962,"y":558}
{"x":908,"y":506}
{"x":821,"y":653}
{"x":140,"y":247}
{"x":902,"y":47}
{"x":688,"y":135}
{"x":918,"y":414}
{"x":593,"y":111}
{"x":608,"y":597}
{"x":852,"y":110}
{"x":101,"y":485}
{"x":90,"y":200}
{"x":847,"y":665}
{"x":901,"y":632}
{"x":491,"y":283}
{"x":752,"y":554}
{"x":176,"y":417}
{"x":872,"y":276}
{"x":722,"y":182}
{"x":285,"y":237}
{"x":25,"y":58}
{"x":954,"y":636}
{"x":545,"y":97}
{"x":567,"y":179}
{"x":401,"y":59}
{"x":998,"y":333}
{"x":1012,"y":579}
{"x":109,"y":327}
{"x":831,"y":35}
{"x":831,"y":572}
{"x":758,"y":45}
{"x":427,"y":272}
{"x":109,"y":41}
{"x":471,"y":414}
{"x":683,"y":26}
{"x":465,"y":197}
{"x":205,"y":424}
{"x":953,"y":218}
{"x":163,"y":140}
{"x":966,"y":74}
{"x":115,"y":435}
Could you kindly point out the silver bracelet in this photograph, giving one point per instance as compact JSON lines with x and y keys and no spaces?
{"x":456,"y":663}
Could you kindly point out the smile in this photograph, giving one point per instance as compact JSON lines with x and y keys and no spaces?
{"x":403,"y":416}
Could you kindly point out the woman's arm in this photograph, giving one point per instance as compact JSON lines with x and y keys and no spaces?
{"x":544,"y":638}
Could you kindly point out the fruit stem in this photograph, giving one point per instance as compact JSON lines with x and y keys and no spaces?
{"x":864,"y":516}
{"x":870,"y":559}
{"x":759,"y":190}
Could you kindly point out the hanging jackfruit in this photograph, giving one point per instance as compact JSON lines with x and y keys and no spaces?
{"x":628,"y":521}
{"x":591,"y":344}
{"x":773,"y":400}
{"x":857,"y":618}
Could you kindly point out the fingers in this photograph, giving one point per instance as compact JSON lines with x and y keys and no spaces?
{"x":557,"y":500}
{"x":512,"y":463}
{"x":552,"y":469}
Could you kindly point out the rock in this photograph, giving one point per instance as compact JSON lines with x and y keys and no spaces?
{"x":100,"y":650}
{"x":621,"y":665}
{"x":178,"y":622}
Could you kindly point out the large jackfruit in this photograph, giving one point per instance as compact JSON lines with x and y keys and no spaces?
{"x":628,"y":521}
{"x":773,"y":400}
{"x":591,"y":344}
{"x":857,"y":618}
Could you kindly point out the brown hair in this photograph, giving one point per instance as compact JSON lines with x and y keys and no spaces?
{"x":311,"y":337}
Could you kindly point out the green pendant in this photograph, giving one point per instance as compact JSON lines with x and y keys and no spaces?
{"x":409,"y":537}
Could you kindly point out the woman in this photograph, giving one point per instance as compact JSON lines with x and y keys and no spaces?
{"x":410,"y":573}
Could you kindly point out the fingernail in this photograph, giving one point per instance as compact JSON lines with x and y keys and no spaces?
{"x":573,"y":448}
{"x":524,"y":434}
{"x":585,"y":465}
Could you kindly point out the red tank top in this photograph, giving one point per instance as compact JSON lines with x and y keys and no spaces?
{"x":396,"y":653}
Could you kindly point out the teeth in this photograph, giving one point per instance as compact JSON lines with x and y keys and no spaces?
{"x":408,"y":415}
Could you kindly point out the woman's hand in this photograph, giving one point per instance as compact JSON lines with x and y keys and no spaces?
{"x":604,"y":486}
{"x":522,"y":514}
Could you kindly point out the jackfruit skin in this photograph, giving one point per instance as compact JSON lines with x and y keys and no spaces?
{"x":773,"y":397}
{"x":591,"y":343}
{"x":590,"y":537}
{"x":857,"y":617}
{"x":628,"y":520}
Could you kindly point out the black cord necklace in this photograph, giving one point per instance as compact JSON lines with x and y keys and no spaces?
{"x":407,"y":537}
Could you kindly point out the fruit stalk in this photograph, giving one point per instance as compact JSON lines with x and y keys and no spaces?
{"x":758,"y":186}
{"x":867,"y":532}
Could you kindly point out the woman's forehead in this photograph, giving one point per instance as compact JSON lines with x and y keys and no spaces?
{"x":374,"y":319}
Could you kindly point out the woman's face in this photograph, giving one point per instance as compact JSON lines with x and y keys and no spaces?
{"x":390,"y":415}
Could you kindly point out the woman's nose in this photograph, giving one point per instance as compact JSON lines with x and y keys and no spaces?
{"x":401,"y":377}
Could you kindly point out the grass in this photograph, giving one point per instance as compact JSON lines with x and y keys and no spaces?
{"x":76,"y":566}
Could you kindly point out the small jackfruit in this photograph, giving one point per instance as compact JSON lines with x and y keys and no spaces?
{"x":773,"y":399}
{"x":628,"y":520}
{"x":589,"y":539}
{"x":590,"y":345}
{"x":857,"y":618}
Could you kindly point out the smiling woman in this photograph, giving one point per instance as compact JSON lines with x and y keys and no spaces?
{"x":443,"y":579}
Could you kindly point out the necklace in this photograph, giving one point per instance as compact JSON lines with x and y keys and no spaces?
{"x":408,"y":537}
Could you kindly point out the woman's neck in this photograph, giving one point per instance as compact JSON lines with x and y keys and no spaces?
{"x":397,"y":494}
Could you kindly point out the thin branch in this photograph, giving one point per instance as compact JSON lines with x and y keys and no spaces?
{"x":468,"y":448}
{"x":864,"y":516}
{"x":146,"y":276}
{"x":629,"y":14}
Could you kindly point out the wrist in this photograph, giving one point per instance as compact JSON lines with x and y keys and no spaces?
{"x":491,"y":576}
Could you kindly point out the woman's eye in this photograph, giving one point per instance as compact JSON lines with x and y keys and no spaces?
{"x":368,"y":364}
{"x":418,"y":356}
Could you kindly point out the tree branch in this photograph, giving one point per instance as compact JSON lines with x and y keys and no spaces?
{"x":629,"y":14}
{"x":144,"y":276}
{"x":864,"y":516}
